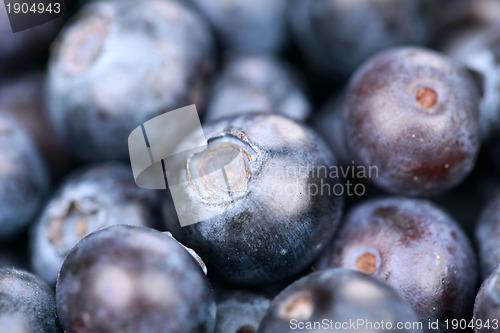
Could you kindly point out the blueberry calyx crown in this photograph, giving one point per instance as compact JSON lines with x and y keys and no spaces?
{"x":223,"y":167}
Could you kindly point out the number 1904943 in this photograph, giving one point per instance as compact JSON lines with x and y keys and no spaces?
{"x":33,"y":8}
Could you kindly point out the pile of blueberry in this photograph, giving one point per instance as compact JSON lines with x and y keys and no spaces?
{"x":365,"y":195}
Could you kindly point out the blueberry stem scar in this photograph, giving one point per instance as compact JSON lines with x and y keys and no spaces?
{"x":426,"y":97}
{"x":366,"y":263}
{"x":299,"y":307}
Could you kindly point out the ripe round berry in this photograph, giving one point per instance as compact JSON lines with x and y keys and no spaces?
{"x":336,"y":36}
{"x":415,"y":247}
{"x":479,"y":49}
{"x":488,"y":236}
{"x":89,"y":199}
{"x":240,"y":311}
{"x":413,"y":113}
{"x":336,"y":297}
{"x":27,"y":304}
{"x":275,"y":209}
{"x":134,"y":280}
{"x":257,"y":83}
{"x":487,"y":305}
{"x":121,"y":63}
{"x":247,"y":26}
{"x":24,"y":179}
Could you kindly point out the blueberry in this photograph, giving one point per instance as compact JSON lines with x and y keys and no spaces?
{"x":336,"y":36}
{"x":120,"y":63}
{"x":479,"y":49}
{"x":133,"y":279}
{"x":413,"y":114}
{"x":240,"y":311}
{"x":258,"y":83}
{"x":89,"y":199}
{"x":488,"y":236}
{"x":280,"y":206}
{"x":414,"y":246}
{"x":27,"y":304}
{"x":487,"y":305}
{"x":321,"y":300}
{"x":23,"y":178}
{"x":247,"y":26}
{"x":22,"y":97}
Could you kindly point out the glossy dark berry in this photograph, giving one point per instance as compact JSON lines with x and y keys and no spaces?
{"x":280,"y":205}
{"x":23,"y":178}
{"x":414,"y":246}
{"x":488,"y":236}
{"x":247,"y":26}
{"x":240,"y":312}
{"x":336,"y":36}
{"x":413,"y":114}
{"x":22,"y":97}
{"x":479,"y":49}
{"x":258,"y":84}
{"x":89,"y":199}
{"x":134,"y":280}
{"x":121,"y":63}
{"x":487,"y":306}
{"x":27,"y":304}
{"x":338,"y":297}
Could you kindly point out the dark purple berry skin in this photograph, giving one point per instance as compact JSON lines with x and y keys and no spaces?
{"x":339,"y":296}
{"x":479,"y":49}
{"x":488,"y":236}
{"x":133,"y":280}
{"x":27,"y":304}
{"x":247,"y":26}
{"x":96,"y":96}
{"x":271,"y":221}
{"x":24,"y":179}
{"x":258,"y":83}
{"x":487,"y":305}
{"x":413,"y":113}
{"x":240,"y":311}
{"x":414,"y":246}
{"x":336,"y":36}
{"x":89,"y":199}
